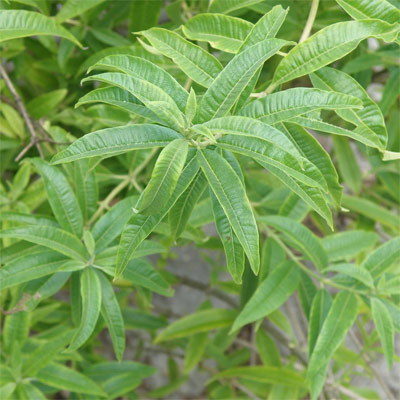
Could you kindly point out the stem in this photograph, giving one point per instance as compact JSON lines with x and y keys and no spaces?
{"x":310,"y":21}
{"x":34,"y":138}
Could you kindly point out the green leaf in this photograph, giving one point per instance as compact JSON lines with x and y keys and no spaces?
{"x":272,"y":375}
{"x":63,"y":378}
{"x":62,"y":199}
{"x":7,"y":390}
{"x":20,"y":23}
{"x":195,"y":351}
{"x":346,"y":245}
{"x":384,"y":326}
{"x":357,"y":272}
{"x":300,"y":237}
{"x":372,"y":210}
{"x":281,"y":106}
{"x":330,"y":44}
{"x":181,"y":211}
{"x":146,"y":70}
{"x":267,"y":349}
{"x":340,"y":318}
{"x":165,"y":175}
{"x":229,"y":84}
{"x":26,"y":391}
{"x":41,"y":106}
{"x":111,"y":224}
{"x":270,"y":294}
{"x":91,"y":303}
{"x":140,"y":226}
{"x":73,"y":8}
{"x":27,"y":268}
{"x":363,"y":9}
{"x":194,"y":61}
{"x":28,"y":219}
{"x":141,"y":273}
{"x":371,"y":129}
{"x":320,"y":307}
{"x":56,"y":239}
{"x":191,"y":106}
{"x":228,"y":6}
{"x":221,"y":31}
{"x":111,"y":313}
{"x":231,"y":195}
{"x":112,"y":141}
{"x":383,"y":257}
{"x":200,"y":321}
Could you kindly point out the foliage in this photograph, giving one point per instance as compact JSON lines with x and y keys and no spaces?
{"x":233,"y":127}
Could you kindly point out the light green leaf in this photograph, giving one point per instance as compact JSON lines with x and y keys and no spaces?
{"x":267,"y":349}
{"x":194,"y":61}
{"x":357,"y":272}
{"x":146,"y":70}
{"x":346,"y":245}
{"x":390,"y":286}
{"x":200,"y":321}
{"x":340,"y":318}
{"x":165,"y":175}
{"x":229,"y":84}
{"x":231,"y":195}
{"x":112,"y":141}
{"x":91,"y":302}
{"x":384,"y":326}
{"x":20,"y":23}
{"x":26,"y":391}
{"x":363,"y":9}
{"x":195,"y":351}
{"x":221,"y":31}
{"x":281,"y":106}
{"x":73,"y":8}
{"x":272,"y":375}
{"x":111,"y":313}
{"x":140,"y":226}
{"x":371,"y":129}
{"x":7,"y":390}
{"x":300,"y":237}
{"x":63,"y":378}
{"x":330,"y":44}
{"x":270,"y":294}
{"x":62,"y":199}
{"x":320,"y":307}
{"x":56,"y":239}
{"x":228,"y":6}
{"x":191,"y":106}
{"x":28,"y":219}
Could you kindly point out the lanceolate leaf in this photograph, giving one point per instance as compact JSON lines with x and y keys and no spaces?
{"x":56,"y":239}
{"x":328,"y":45}
{"x":231,"y":194}
{"x":91,"y":303}
{"x":340,"y":318}
{"x":379,"y":9}
{"x":223,"y":32}
{"x":165,"y":176}
{"x":140,"y":226}
{"x":61,"y":197}
{"x":200,"y":321}
{"x":112,"y":141}
{"x":72,"y":8}
{"x":111,"y":313}
{"x":281,"y":106}
{"x":228,"y":6}
{"x":357,"y":272}
{"x":194,"y":61}
{"x":301,"y":237}
{"x":228,"y":85}
{"x":270,"y":294}
{"x":20,"y":23}
{"x":143,"y":69}
{"x":369,"y":120}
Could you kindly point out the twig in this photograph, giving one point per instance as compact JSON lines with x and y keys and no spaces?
{"x":34,"y":138}
{"x":310,"y":21}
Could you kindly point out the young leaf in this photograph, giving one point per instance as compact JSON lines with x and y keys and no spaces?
{"x":191,"y":106}
{"x":20,"y":23}
{"x":231,"y":195}
{"x":270,"y":294}
{"x":112,"y":141}
{"x":384,"y":326}
{"x":194,"y":61}
{"x":61,"y":197}
{"x":200,"y":321}
{"x":357,"y":272}
{"x":330,"y":44}
{"x":165,"y":175}
{"x":91,"y":303}
{"x":229,"y":84}
{"x":301,"y":237}
{"x":111,"y":313}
